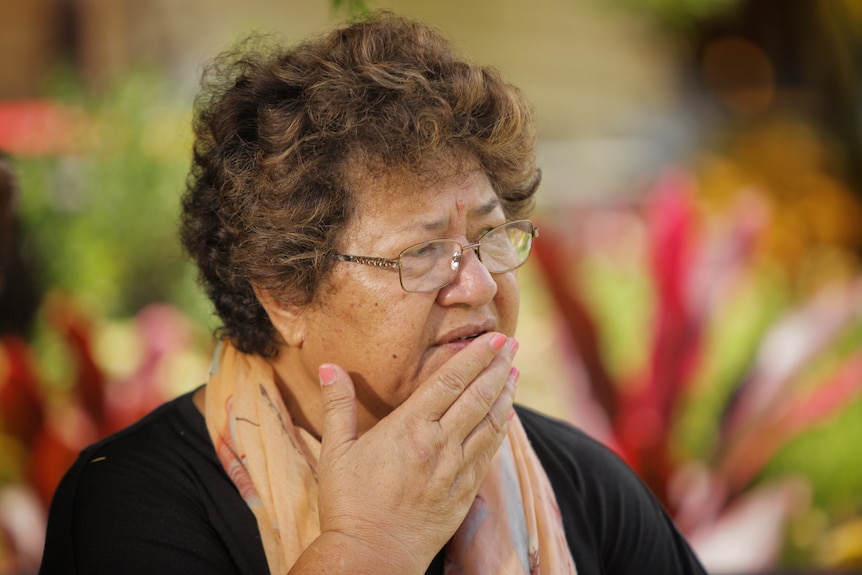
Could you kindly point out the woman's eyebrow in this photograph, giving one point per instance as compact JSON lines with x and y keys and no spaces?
{"x":486,"y":208}
{"x":478,"y":212}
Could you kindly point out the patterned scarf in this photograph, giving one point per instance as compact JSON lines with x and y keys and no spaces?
{"x":513,"y":527}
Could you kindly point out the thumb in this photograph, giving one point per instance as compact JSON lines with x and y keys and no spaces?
{"x":339,"y":407}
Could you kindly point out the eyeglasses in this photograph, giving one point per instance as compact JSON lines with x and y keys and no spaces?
{"x":431,"y":265}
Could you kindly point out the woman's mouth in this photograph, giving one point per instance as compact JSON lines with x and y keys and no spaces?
{"x":468,"y":337}
{"x":461,"y":336}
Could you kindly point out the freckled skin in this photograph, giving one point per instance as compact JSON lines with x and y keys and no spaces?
{"x":388,"y":339}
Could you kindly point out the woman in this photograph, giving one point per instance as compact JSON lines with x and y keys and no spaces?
{"x":356,"y":209}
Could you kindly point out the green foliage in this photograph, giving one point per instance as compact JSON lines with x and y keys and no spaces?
{"x":103,"y":219}
{"x":353,"y":8}
{"x":731,"y":344}
{"x":826,"y":453}
{"x":619,"y":293}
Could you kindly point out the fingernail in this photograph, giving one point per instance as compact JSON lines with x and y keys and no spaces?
{"x":327,"y":374}
{"x":498,"y":341}
{"x":512,"y":415}
{"x":513,"y":345}
{"x":515,"y":375}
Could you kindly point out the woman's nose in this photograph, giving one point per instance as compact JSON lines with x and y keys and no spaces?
{"x":473,"y":284}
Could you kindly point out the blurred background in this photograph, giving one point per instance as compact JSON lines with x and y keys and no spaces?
{"x":694,"y":300}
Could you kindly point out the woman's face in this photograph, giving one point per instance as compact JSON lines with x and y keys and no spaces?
{"x":387,"y":339}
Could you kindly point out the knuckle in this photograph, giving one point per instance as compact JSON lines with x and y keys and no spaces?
{"x":453,"y":381}
{"x":338,"y":401}
{"x":448,"y":469}
{"x":493,"y":424}
{"x":425,"y":447}
{"x":488,"y":435}
{"x":485,"y":395}
{"x":497,"y":423}
{"x":477,"y":362}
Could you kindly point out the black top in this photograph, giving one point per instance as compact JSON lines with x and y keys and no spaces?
{"x":154,"y":498}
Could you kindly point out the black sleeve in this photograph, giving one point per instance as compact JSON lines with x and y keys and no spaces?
{"x":144,"y":503}
{"x":613,"y":523}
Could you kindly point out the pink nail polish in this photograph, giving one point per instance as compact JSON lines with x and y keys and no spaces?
{"x":513,"y":345}
{"x":498,"y":341}
{"x":327,"y":374}
{"x":515,"y":375}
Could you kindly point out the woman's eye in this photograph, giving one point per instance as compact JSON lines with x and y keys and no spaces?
{"x":428,"y":250}
{"x":482,"y":233}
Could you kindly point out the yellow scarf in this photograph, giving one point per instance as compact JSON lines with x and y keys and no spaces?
{"x":513,"y":527}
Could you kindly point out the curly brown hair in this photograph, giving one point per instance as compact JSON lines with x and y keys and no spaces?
{"x":281,"y":133}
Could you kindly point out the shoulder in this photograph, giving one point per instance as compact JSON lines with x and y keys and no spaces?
{"x":163,"y":450}
{"x":613,"y":522}
{"x":582,"y":470}
{"x":168,"y":429}
{"x":565,"y":449}
{"x":146,"y":497}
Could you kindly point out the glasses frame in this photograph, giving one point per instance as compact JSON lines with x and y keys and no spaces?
{"x":395,"y":264}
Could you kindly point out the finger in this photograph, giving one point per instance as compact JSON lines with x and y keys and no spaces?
{"x":484,"y":440}
{"x":480,"y":397}
{"x":339,"y":408}
{"x":434,"y":397}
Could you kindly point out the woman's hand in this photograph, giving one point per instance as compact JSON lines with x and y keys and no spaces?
{"x":391,"y":498}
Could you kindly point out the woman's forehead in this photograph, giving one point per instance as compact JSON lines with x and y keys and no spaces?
{"x":468,"y":193}
{"x":400,"y":211}
{"x":367,"y":172}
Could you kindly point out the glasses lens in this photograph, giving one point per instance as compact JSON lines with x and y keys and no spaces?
{"x":429,"y":265}
{"x":506,"y":247}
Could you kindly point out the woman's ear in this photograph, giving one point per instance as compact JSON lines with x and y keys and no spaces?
{"x":288,"y":320}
